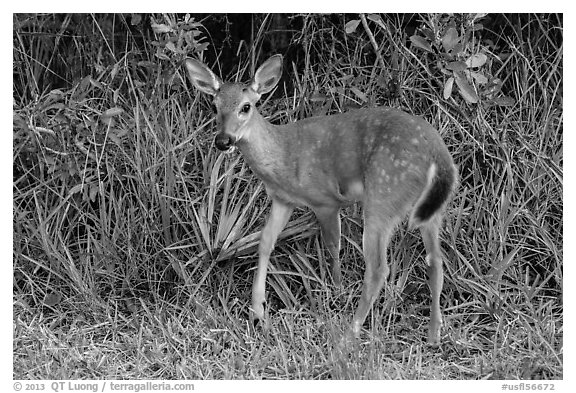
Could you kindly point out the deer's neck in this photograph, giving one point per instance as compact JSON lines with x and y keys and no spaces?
{"x":263,"y":148}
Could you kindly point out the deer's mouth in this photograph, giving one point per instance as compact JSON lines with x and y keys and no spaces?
{"x":224,"y":142}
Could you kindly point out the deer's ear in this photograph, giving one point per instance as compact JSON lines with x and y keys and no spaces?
{"x":202,"y":77}
{"x":267,"y":75}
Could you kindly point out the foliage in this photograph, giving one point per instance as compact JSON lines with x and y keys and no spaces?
{"x":134,"y":240}
{"x":178,"y":38}
{"x":460,"y":55}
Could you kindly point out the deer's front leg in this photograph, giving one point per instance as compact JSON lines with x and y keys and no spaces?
{"x":279,"y":215}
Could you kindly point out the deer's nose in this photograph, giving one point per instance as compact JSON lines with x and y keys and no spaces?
{"x":223,"y":141}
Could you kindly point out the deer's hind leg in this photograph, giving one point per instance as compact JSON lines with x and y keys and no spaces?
{"x":430,"y":236}
{"x":377,"y":232}
{"x":329,"y":219}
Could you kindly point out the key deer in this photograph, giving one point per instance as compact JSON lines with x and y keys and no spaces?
{"x":394,"y":163}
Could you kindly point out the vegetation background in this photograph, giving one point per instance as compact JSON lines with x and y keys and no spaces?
{"x":135,"y":240}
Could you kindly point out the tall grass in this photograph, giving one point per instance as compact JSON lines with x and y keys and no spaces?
{"x":135,"y":240}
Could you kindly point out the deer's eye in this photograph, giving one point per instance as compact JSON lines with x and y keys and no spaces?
{"x":245,"y":108}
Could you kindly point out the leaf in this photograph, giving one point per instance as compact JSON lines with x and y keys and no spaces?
{"x":465,"y":89}
{"x":93,"y":192}
{"x":428,"y":33}
{"x":146,"y":64}
{"x":171,"y":47}
{"x":359,"y":94}
{"x":135,"y":19}
{"x":477,"y":27}
{"x":504,"y":101}
{"x":420,"y":42}
{"x":448,"y":87}
{"x":160,"y":28}
{"x":351,"y":26}
{"x":318,"y":97}
{"x":450,"y":39}
{"x":374,"y":18}
{"x":479,"y":77}
{"x":458,"y":48}
{"x":76,"y":189}
{"x":377,"y":19}
{"x":113,"y":112}
{"x":195,"y":33}
{"x":202,"y":47}
{"x":493,"y":87}
{"x":476,"y":60}
{"x":116,"y":134}
{"x":52,"y":299}
{"x":96,"y":84}
{"x":456,"y":66}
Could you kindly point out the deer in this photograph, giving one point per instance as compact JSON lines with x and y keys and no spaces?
{"x":393,"y":163}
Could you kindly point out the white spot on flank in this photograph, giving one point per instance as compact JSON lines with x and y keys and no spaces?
{"x":356,"y":189}
{"x":431,"y":172}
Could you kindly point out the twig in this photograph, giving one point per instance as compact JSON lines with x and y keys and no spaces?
{"x":372,"y":40}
